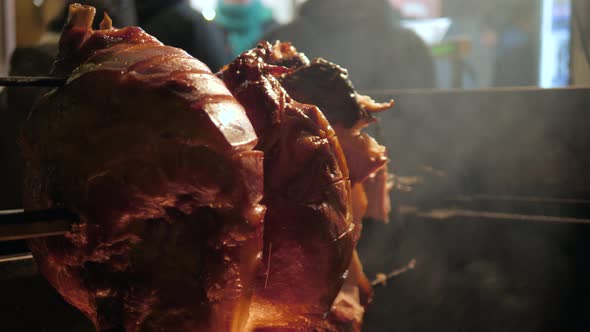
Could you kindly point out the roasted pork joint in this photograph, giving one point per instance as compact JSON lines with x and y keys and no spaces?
{"x":227,"y":202}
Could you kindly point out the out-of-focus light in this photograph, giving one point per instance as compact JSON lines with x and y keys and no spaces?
{"x":208,"y":13}
{"x":38,"y":3}
{"x":432,"y":30}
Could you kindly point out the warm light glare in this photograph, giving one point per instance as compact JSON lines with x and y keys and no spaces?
{"x":225,"y":116}
{"x":208,"y":13}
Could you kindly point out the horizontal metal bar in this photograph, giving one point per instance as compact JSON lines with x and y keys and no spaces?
{"x":18,"y":266}
{"x":445,"y":214}
{"x":24,"y":81}
{"x":31,"y":231}
{"x":21,"y":225}
{"x":16,"y":258}
{"x":456,"y":91}
{"x":523,"y":199}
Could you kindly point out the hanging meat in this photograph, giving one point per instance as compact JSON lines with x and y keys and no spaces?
{"x":206,"y":203}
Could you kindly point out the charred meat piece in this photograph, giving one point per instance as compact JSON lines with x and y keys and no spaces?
{"x":154,"y":154}
{"x":327,"y":86}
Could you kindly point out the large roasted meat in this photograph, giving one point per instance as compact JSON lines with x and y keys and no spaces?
{"x":313,"y":217}
{"x":228,"y":203}
{"x":154,"y":154}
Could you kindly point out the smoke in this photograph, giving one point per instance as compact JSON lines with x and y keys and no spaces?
{"x":475,"y":274}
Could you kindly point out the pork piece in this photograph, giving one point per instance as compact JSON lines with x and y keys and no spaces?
{"x":325,"y":84}
{"x":314,"y":191}
{"x":309,"y":232}
{"x":154,"y":154}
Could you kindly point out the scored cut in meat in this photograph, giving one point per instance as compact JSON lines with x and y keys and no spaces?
{"x":228,"y":203}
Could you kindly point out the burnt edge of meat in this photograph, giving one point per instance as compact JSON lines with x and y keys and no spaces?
{"x":308,"y":84}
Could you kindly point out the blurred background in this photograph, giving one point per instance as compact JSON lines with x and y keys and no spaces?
{"x":473,"y":44}
{"x":488,"y":142}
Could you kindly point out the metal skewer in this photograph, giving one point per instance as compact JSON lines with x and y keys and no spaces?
{"x":382,"y":278}
{"x":25,"y":81}
{"x":446,"y":214}
{"x":20,"y":225}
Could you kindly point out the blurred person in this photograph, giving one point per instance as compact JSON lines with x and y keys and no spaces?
{"x":244,"y":22}
{"x":176,"y":23}
{"x":366,"y":38}
{"x":516,"y":58}
{"x":37,"y":60}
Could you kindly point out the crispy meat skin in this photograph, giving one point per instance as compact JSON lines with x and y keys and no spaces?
{"x":155,"y":155}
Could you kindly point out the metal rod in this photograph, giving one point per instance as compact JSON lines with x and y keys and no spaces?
{"x":382,"y":278}
{"x":16,"y":258}
{"x":445,"y":214}
{"x":25,"y":81}
{"x":17,"y":267}
{"x":21,"y":225}
{"x":524,"y":199}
